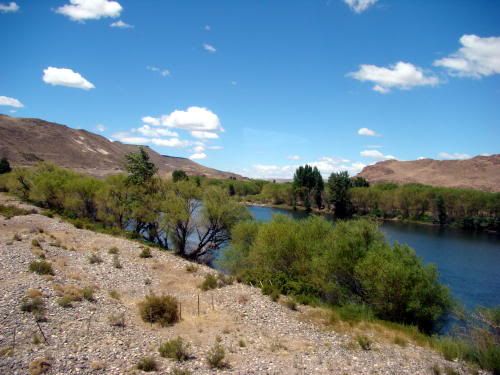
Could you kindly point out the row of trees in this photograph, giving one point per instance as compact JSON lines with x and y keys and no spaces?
{"x":179,"y":215}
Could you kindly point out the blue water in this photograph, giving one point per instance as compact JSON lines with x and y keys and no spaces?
{"x":468,"y":263}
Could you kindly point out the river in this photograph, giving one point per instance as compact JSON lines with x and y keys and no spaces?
{"x":468,"y":263}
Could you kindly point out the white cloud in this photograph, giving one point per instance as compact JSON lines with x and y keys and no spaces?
{"x":376,"y":155}
{"x":402,"y":75}
{"x":359,"y":6}
{"x":11,"y":102}
{"x":197,"y":156}
{"x":151,"y":120}
{"x":209,"y":48}
{"x":453,"y":156}
{"x":204,"y":135}
{"x":82,"y":10}
{"x":163,"y":72}
{"x":65,"y":77}
{"x":125,"y":137}
{"x":171,"y":142}
{"x":214,"y":147}
{"x":421,"y":158}
{"x":476,"y":58}
{"x":368,"y":132}
{"x":148,"y":131}
{"x":193,"y":119}
{"x":11,"y":7}
{"x":121,"y":25}
{"x":199,"y":148}
{"x":293,"y":157}
{"x":100,"y":127}
{"x":326,"y":166}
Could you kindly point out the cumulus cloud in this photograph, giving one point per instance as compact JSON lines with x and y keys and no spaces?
{"x":162,"y":72}
{"x":65,"y":77}
{"x":376,"y":155}
{"x":82,"y":10}
{"x":151,"y":120}
{"x":126,"y":137}
{"x":368,"y":132}
{"x":204,"y":135}
{"x":11,"y":102}
{"x":193,"y":119}
{"x":476,"y":58}
{"x":209,"y":48}
{"x":171,"y":142}
{"x":401,"y":75}
{"x":11,"y":7}
{"x":198,"y":155}
{"x":360,"y":6}
{"x":453,"y":156}
{"x":293,"y":157}
{"x":121,"y":25}
{"x":100,"y":128}
{"x":148,"y":131}
{"x":142,"y":139}
{"x":326,"y":165}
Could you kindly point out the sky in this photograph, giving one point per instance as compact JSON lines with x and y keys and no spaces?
{"x":259,"y":87}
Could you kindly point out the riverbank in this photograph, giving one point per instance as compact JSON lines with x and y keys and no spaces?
{"x":80,"y":339}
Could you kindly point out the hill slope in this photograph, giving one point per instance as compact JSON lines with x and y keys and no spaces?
{"x":27,"y":141}
{"x":480,"y":172}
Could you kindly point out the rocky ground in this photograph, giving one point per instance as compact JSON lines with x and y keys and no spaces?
{"x":259,"y":336}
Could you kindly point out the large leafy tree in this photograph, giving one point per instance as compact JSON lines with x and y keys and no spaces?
{"x":308,"y":184}
{"x":338,"y":193}
{"x":139,"y":166}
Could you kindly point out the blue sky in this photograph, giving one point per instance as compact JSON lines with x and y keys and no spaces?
{"x":259,"y":87}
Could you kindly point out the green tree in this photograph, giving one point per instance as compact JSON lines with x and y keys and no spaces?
{"x":359,"y":182}
{"x":139,"y":167}
{"x":179,"y":175}
{"x":4,"y":166}
{"x":442,"y":216}
{"x":231,"y":190}
{"x":338,"y":193}
{"x":308,"y":185}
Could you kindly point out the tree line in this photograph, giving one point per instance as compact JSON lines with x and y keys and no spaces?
{"x":177,"y":214}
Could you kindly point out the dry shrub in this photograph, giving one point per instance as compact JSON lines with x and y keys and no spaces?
{"x":40,"y":366}
{"x":159,"y":309}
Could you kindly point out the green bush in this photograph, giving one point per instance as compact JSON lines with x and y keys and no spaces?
{"x":41,"y":267}
{"x":88,"y":293}
{"x":146,"y":253}
{"x":175,"y":349}
{"x":364,"y":342}
{"x":215,"y":356}
{"x":159,"y":309}
{"x":65,"y":301}
{"x":210,"y":282}
{"x":147,"y":364}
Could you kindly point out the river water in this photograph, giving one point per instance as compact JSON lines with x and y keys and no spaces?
{"x":468,"y":263}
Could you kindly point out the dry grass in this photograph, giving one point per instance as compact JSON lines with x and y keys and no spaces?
{"x":40,"y":366}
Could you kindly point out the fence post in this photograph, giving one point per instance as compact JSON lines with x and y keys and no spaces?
{"x":198,"y":304}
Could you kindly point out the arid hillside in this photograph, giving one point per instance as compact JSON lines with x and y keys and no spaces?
{"x":26,"y":141}
{"x":480,"y":172}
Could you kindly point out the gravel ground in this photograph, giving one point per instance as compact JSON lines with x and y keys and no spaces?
{"x":259,"y":336}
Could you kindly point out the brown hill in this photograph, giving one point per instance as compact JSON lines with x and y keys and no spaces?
{"x":26,"y":141}
{"x":480,"y":172}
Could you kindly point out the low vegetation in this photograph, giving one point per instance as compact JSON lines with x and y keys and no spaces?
{"x":176,"y":349}
{"x":147,"y":364}
{"x":41,"y":267}
{"x":159,"y":309}
{"x":11,"y":211}
{"x":216,"y":356}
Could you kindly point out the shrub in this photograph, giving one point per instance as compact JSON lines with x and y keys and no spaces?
{"x":114,"y":294}
{"x":33,"y":305}
{"x":291,"y":304}
{"x":159,"y":309}
{"x":275,"y":295}
{"x":147,"y":364}
{"x":116,"y":262}
{"x":94,"y":258}
{"x":364,"y":342}
{"x":398,"y":340}
{"x":41,"y":267}
{"x":65,"y":302}
{"x":88,"y":293}
{"x":117,"y":320}
{"x":39,"y":366}
{"x":35,"y":243}
{"x":11,"y":211}
{"x":242,"y":343}
{"x":210,"y":282}
{"x":146,"y":253}
{"x":355,"y":313}
{"x":175,"y":349}
{"x":114,"y":250}
{"x":191,"y":268}
{"x":216,"y":355}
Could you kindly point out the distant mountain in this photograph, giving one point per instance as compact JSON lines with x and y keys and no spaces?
{"x":480,"y":172}
{"x":26,"y":141}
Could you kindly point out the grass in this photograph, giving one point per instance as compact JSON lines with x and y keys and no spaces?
{"x":210,"y":282}
{"x":216,"y":356}
{"x":114,"y":294}
{"x":175,"y":349}
{"x":116,"y":262}
{"x":39,"y":366}
{"x":88,"y":293}
{"x":179,"y":371}
{"x":242,"y":343}
{"x":191,"y":268}
{"x":146,"y":253}
{"x":65,"y":302}
{"x":113,"y":251}
{"x":117,"y":320}
{"x":94,"y":258}
{"x":35,"y":243}
{"x":364,"y":342}
{"x":41,"y":267}
{"x":147,"y":364}
{"x":159,"y":309}
{"x":11,"y":211}
{"x":34,"y":305}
